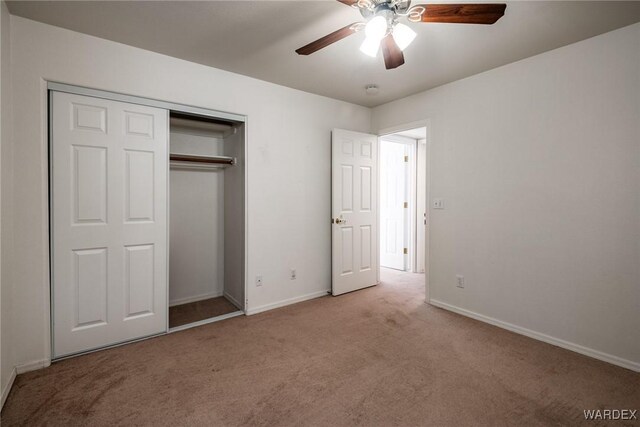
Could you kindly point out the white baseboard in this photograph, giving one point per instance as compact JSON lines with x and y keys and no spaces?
{"x":234,"y":301}
{"x":21,"y":369}
{"x":200,"y":297}
{"x":289,"y":301}
{"x":32,"y":366}
{"x":605,"y":357}
{"x":7,"y":388}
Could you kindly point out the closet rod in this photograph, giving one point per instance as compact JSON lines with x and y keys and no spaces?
{"x":220,"y":160}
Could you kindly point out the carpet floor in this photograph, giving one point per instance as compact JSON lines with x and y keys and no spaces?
{"x":376,"y":357}
{"x":199,"y":310}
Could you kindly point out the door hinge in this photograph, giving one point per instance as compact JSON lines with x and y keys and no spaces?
{"x":406,"y":159}
{"x":406,"y":204}
{"x":405,"y":251}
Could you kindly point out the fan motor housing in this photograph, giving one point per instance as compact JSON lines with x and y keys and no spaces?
{"x":377,"y":6}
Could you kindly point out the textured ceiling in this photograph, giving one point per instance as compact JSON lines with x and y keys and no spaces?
{"x":258,"y":39}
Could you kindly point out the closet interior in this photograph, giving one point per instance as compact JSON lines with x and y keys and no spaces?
{"x":206,"y":219}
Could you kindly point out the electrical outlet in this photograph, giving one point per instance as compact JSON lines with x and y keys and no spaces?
{"x":438,"y":204}
{"x":293,"y":274}
{"x":460,"y":281}
{"x":258,"y":280}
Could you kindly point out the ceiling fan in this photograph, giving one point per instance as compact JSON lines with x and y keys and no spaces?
{"x":383,"y":29}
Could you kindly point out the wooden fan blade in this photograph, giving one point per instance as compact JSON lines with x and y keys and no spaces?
{"x":348,"y":2}
{"x":326,"y":40}
{"x":487,"y":13}
{"x":393,"y":57}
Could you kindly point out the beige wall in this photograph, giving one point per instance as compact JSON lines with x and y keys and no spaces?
{"x":196,"y":226}
{"x":7,"y":355}
{"x":539,"y":165}
{"x":234,"y":206}
{"x":288,"y":162}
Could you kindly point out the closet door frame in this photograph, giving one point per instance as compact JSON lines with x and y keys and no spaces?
{"x":169,"y":106}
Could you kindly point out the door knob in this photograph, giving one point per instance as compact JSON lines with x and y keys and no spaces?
{"x":341,"y":220}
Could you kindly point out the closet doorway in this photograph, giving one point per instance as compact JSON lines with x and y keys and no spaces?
{"x":147,"y":214}
{"x":206,"y":226}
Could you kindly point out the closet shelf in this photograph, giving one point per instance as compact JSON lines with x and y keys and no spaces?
{"x":226,"y":160}
{"x":201,"y":161}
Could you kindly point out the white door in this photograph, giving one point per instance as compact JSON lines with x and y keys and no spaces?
{"x":354,"y":207}
{"x":109,"y":222}
{"x":394,"y":203}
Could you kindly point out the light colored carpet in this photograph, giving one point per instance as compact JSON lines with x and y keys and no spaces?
{"x":376,"y":357}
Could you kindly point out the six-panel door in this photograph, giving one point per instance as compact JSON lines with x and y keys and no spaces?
{"x":354,"y":209}
{"x":109,"y":222}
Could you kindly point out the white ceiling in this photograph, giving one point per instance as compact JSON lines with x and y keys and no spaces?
{"x":258,"y":39}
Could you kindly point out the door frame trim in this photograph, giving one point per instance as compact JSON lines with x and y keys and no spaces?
{"x":149,"y":102}
{"x":49,"y":87}
{"x":426,"y":123}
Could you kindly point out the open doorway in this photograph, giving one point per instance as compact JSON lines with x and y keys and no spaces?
{"x":403,"y":200}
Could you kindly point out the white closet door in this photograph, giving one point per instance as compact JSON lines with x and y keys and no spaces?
{"x":354,"y":205}
{"x":109,"y":222}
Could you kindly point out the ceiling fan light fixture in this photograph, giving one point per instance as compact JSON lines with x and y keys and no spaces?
{"x":376,"y":28}
{"x":403,"y":35}
{"x":370,"y":46}
{"x":383,"y":32}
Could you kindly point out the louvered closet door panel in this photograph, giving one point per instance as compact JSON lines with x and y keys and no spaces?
{"x":109,"y":222}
